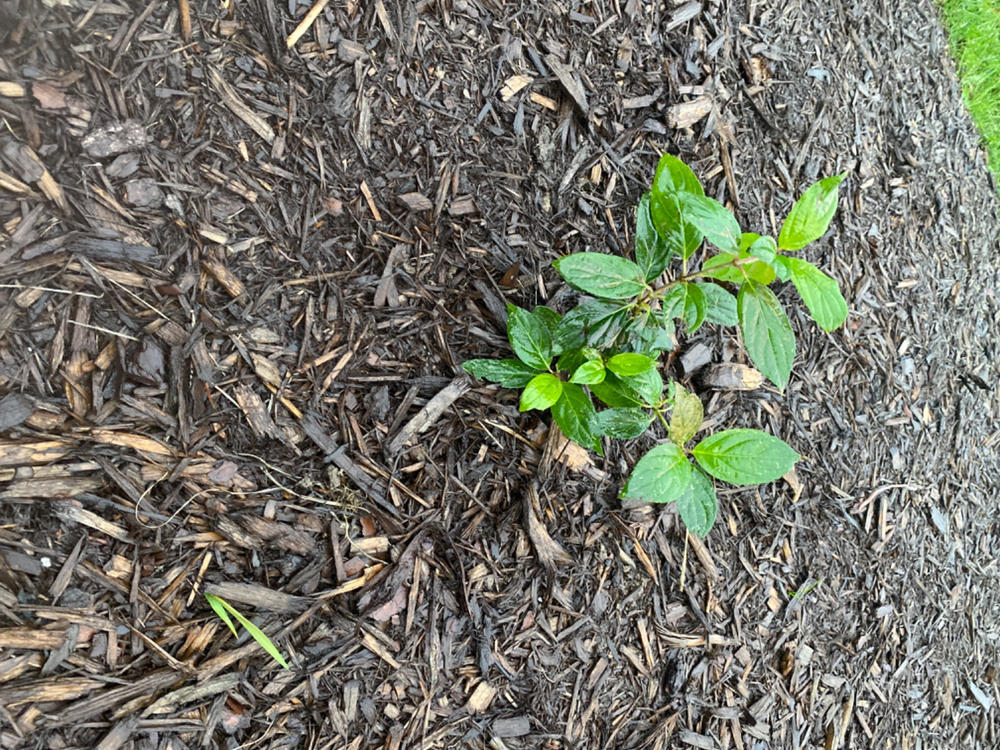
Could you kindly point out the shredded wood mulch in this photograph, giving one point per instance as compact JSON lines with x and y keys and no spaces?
{"x":244,"y":250}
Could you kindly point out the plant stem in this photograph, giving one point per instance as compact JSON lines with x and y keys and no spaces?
{"x":697,"y":274}
{"x":663,"y":419}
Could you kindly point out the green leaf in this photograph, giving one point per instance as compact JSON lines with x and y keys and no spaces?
{"x":686,"y":301}
{"x":602,"y":275}
{"x":763,"y":247}
{"x":510,"y":373}
{"x":541,"y":392}
{"x":767,"y":334}
{"x":570,"y":360}
{"x":529,"y":338}
{"x":613,"y":391}
{"x":694,"y":307}
{"x":745,"y":456}
{"x":686,"y":416}
{"x":661,"y":476}
{"x":547,"y":317}
{"x":589,"y":322}
{"x":820,"y":293}
{"x":623,"y":423}
{"x":216,"y":604}
{"x":720,"y":267}
{"x":811,"y":215}
{"x":655,"y":334}
{"x":680,"y":236}
{"x":220,"y":605}
{"x":591,"y":371}
{"x":674,"y":176}
{"x":720,"y":305}
{"x":647,"y":385}
{"x":757,"y":246}
{"x":712,"y":219}
{"x":698,"y":505}
{"x":574,"y":413}
{"x":629,"y":363}
{"x":652,"y":253}
{"x":759,"y":272}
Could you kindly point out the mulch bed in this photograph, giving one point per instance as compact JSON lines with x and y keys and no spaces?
{"x":239,"y":277}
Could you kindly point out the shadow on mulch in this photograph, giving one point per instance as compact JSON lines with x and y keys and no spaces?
{"x":238,"y":283}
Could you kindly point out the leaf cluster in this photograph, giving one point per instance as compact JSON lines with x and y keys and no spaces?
{"x":608,"y":347}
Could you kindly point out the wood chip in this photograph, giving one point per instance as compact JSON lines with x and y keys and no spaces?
{"x":33,"y":638}
{"x":481,"y":698}
{"x":430,"y":413}
{"x":704,"y":557}
{"x":39,"y":452}
{"x":193,"y":693}
{"x":305,"y":23}
{"x":115,"y":138}
{"x":74,"y":514}
{"x":516,"y":726}
{"x":12,"y":90}
{"x":570,"y":82}
{"x":259,"y":597}
{"x":50,"y":487}
{"x":224,"y":276}
{"x":549,"y":551}
{"x":256,"y":413}
{"x":236,"y":105}
{"x":680,"y":16}
{"x":416,"y":201}
{"x":544,"y":101}
{"x":34,"y":170}
{"x":134,"y":441}
{"x":349,"y":51}
{"x":514,"y":84}
{"x":696,"y":740}
{"x":463,"y":205}
{"x":687,"y":114}
{"x":14,"y":409}
{"x":379,"y":650}
{"x":729,"y":376}
{"x":370,"y":200}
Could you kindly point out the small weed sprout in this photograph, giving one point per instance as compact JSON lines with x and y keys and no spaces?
{"x":223,"y":609}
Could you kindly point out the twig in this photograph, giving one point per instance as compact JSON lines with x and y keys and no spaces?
{"x":185,"y":13}
{"x":305,"y":23}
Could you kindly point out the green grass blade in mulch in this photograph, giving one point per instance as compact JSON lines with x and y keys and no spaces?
{"x":974,"y":28}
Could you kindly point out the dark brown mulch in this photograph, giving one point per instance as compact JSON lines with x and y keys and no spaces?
{"x":238,"y":283}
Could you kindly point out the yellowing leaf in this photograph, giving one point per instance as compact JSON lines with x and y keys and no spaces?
{"x":687,"y":416}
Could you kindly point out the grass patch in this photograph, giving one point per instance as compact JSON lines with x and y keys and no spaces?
{"x":974,"y":28}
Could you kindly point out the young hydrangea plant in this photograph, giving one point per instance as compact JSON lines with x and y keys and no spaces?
{"x":608,"y":346}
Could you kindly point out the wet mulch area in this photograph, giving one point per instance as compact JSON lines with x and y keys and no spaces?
{"x":245,"y":248}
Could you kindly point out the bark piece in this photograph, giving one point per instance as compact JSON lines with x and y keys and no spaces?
{"x":416,"y":201}
{"x":570,"y":82}
{"x":259,"y":597}
{"x":548,"y":549}
{"x":143,"y":193}
{"x":729,"y":376}
{"x":14,"y":409}
{"x":256,"y":413}
{"x":349,"y":51}
{"x":695,"y":358}
{"x":430,"y":413}
{"x":237,"y":106}
{"x":687,"y":114}
{"x":115,"y":138}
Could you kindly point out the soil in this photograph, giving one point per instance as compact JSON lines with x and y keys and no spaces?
{"x":240,"y":276}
